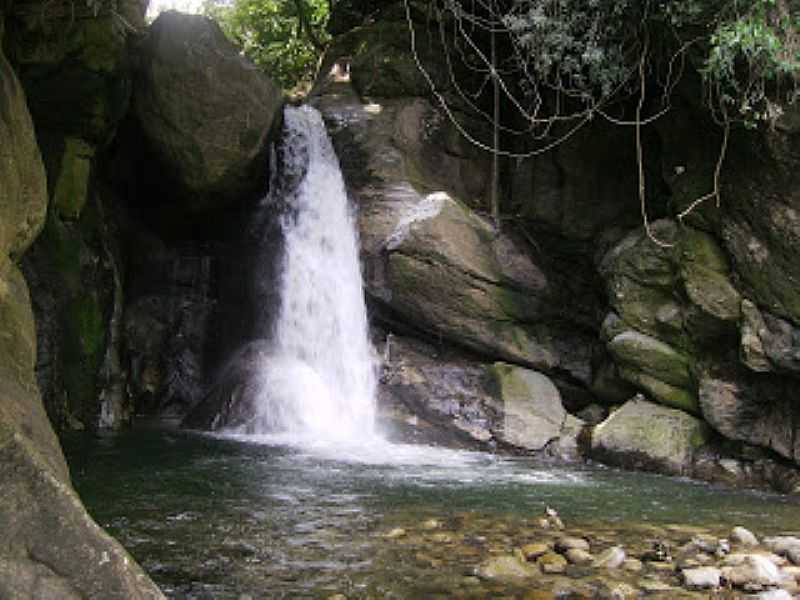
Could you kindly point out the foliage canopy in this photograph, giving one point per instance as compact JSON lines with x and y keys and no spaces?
{"x":285,"y":37}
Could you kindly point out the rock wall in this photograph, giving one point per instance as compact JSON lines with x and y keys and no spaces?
{"x":51,"y":548}
{"x":695,"y":338}
{"x":73,"y":64}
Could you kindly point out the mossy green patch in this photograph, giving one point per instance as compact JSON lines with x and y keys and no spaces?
{"x":71,"y":185}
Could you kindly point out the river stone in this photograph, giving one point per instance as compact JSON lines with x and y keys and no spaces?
{"x":754,"y":569}
{"x":772,"y":595}
{"x":648,"y":436}
{"x":566,"y":543}
{"x":743,"y":537}
{"x":577,"y":556}
{"x":551,"y":563}
{"x":533,"y":551}
{"x":701,"y":577}
{"x":612,"y":558}
{"x":784,"y":545}
{"x":205,"y":110}
{"x":506,"y":568}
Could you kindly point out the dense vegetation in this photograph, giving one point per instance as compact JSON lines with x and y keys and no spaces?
{"x":285,"y":37}
{"x":589,"y":52}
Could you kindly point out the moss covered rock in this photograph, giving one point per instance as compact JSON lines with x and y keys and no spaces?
{"x":644,"y":435}
{"x":655,"y":367}
{"x":675,"y":304}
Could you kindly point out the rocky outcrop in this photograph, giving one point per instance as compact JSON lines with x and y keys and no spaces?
{"x":760,"y":222}
{"x":445,"y":267}
{"x":752,"y":408}
{"x":205,"y":112}
{"x":51,"y":548}
{"x":671,"y":304}
{"x":432,"y":261}
{"x":678,"y":303}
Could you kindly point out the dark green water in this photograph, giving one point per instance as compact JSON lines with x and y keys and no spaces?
{"x":221,"y":518}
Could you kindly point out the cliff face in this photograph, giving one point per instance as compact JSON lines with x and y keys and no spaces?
{"x":51,"y":548}
{"x":703,"y":325}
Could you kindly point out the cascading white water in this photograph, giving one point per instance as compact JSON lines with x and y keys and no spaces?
{"x":321,"y":378}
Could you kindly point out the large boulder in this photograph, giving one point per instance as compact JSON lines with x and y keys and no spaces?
{"x":448,"y":398}
{"x":50,"y":547}
{"x":447,"y":270}
{"x":644,"y":435}
{"x":205,"y":111}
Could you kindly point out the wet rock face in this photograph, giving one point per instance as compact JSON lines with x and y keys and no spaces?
{"x":205,"y":111}
{"x":51,"y":547}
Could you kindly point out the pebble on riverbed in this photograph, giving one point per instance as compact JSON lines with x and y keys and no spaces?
{"x":735,"y":566}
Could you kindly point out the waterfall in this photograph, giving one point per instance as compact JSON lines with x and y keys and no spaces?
{"x":320,"y":378}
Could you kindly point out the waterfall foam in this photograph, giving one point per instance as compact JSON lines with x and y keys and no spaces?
{"x":320,"y":379}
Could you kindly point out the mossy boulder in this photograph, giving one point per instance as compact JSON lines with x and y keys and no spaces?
{"x":206,"y":112}
{"x":674,"y":303}
{"x":655,"y":367}
{"x":644,"y":435}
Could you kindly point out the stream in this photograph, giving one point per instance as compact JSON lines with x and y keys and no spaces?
{"x":247,"y":518}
